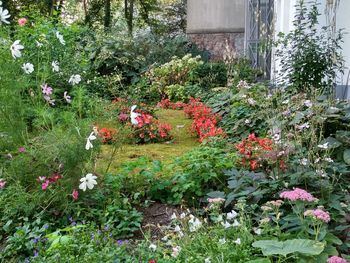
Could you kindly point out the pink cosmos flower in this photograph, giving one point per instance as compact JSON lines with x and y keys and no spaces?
{"x":297,"y":194}
{"x":2,"y":183}
{"x":22,"y":21}
{"x":336,"y":259}
{"x":75,"y":194}
{"x":45,"y":184}
{"x":46,"y":89}
{"x":318,"y":214}
{"x":21,"y":149}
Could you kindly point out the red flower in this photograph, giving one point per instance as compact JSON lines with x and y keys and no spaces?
{"x":54,"y":178}
{"x":152,"y":261}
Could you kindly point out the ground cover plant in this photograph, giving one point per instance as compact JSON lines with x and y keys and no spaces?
{"x":113,"y":149}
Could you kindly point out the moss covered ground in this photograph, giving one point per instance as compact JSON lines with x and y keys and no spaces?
{"x":183,"y":141}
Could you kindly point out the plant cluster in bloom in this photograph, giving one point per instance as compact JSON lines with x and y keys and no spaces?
{"x":252,"y":149}
{"x":45,"y":182}
{"x":167,"y":104}
{"x":318,"y":214}
{"x":107,"y":134}
{"x":297,"y":194}
{"x":336,"y":259}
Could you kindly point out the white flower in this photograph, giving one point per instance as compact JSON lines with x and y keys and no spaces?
{"x":74,"y":79}
{"x":231,"y":215}
{"x":235,"y":223}
{"x":237,"y":241}
{"x":91,"y":137}
{"x":323,"y":146}
{"x":251,"y":101}
{"x":243,"y":96}
{"x":153,"y":247}
{"x":4,"y":14}
{"x":219,"y":218}
{"x":177,"y":229}
{"x":134,"y":115}
{"x":329,"y":160}
{"x":88,"y":181}
{"x":303,"y":126}
{"x":173,"y":216}
{"x":195,"y":224}
{"x":226,"y":224}
{"x":285,"y":102}
{"x":55,"y":66}
{"x":308,"y":103}
{"x":38,"y":44}
{"x":67,"y":97}
{"x":247,"y":121}
{"x":165,"y":238}
{"x":317,"y":160}
{"x":60,"y":38}
{"x":183,"y":215}
{"x":207,"y":260}
{"x":16,"y":49}
{"x":176,"y":251}
{"x":222,"y":241}
{"x":28,"y":68}
{"x":304,"y":161}
{"x":257,"y":231}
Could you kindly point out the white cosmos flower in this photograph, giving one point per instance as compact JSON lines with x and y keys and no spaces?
{"x":134,"y":115}
{"x":67,"y":98}
{"x":226,"y":224}
{"x":91,"y":137}
{"x":28,"y":68}
{"x":55,"y":66}
{"x":4,"y":15}
{"x":183,"y":215}
{"x":237,"y":241}
{"x":60,"y":38}
{"x":173,"y":216}
{"x":222,"y":241}
{"x":235,"y":223}
{"x":251,"y":101}
{"x":74,"y":79}
{"x":323,"y":146}
{"x":231,"y":215}
{"x":177,"y":229}
{"x":195,"y":224}
{"x":153,"y":247}
{"x":257,"y":231}
{"x":88,"y":181}
{"x":207,"y":260}
{"x":176,"y":251}
{"x":16,"y":48}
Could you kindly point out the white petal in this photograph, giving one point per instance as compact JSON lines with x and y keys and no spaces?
{"x":82,"y":186}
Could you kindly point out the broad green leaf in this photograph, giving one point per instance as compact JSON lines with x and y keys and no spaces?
{"x":302,"y":246}
{"x":346,"y":156}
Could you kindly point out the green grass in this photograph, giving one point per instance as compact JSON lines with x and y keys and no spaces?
{"x":183,"y":141}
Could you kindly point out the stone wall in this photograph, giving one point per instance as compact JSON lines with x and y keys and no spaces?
{"x":215,"y":43}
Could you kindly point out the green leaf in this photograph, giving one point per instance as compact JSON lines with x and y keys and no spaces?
{"x":346,"y":156}
{"x":332,"y":143}
{"x":303,"y":246}
{"x":259,"y":260}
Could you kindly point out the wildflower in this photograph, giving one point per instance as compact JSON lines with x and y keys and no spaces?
{"x":285,"y":102}
{"x":165,"y":238}
{"x":251,"y":101}
{"x":60,"y":38}
{"x":4,"y":15}
{"x":231,"y":215}
{"x":219,"y":218}
{"x":265,"y":220}
{"x":222,"y":241}
{"x":2,"y":183}
{"x":297,"y":194}
{"x":237,"y":241}
{"x":226,"y":224}
{"x":308,"y":103}
{"x":75,"y":194}
{"x":152,"y":261}
{"x":46,"y":90}
{"x":28,"y":68}
{"x":276,"y":203}
{"x":74,"y":79}
{"x":235,"y":223}
{"x":195,"y":224}
{"x":88,"y":181}
{"x":173,"y":216}
{"x":318,"y":214}
{"x":304,"y":161}
{"x":16,"y":48}
{"x":243,"y":84}
{"x":286,"y":113}
{"x":247,"y":121}
{"x":55,"y":66}
{"x":177,"y":229}
{"x":22,"y":21}
{"x":152,"y":247}
{"x":323,"y":146}
{"x":38,"y":44}
{"x":216,"y":200}
{"x":207,"y":260}
{"x":49,"y":100}
{"x":257,"y":231}
{"x":134,"y":115}
{"x":91,"y":137}
{"x":176,"y":251}
{"x":303,"y":126}
{"x":45,"y":184}
{"x":322,"y":173}
{"x":21,"y":149}
{"x":67,"y":97}
{"x":182,"y":215}
{"x":336,"y":259}
{"x":329,"y":160}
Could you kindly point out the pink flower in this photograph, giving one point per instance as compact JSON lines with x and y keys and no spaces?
{"x":22,"y":21}
{"x":45,"y":184}
{"x":336,"y":259}
{"x":297,"y":194}
{"x":216,"y":200}
{"x":21,"y":149}
{"x":2,"y":183}
{"x":46,"y":89}
{"x":75,"y":194}
{"x":318,"y":214}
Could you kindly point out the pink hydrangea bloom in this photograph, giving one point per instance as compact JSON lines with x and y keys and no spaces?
{"x":297,"y":194}
{"x":336,"y":259}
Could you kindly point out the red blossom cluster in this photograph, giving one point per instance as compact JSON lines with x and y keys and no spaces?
{"x":252,"y":148}
{"x":45,"y":182}
{"x":107,"y":134}
{"x":204,"y":120}
{"x":167,"y":104}
{"x":149,"y":129}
